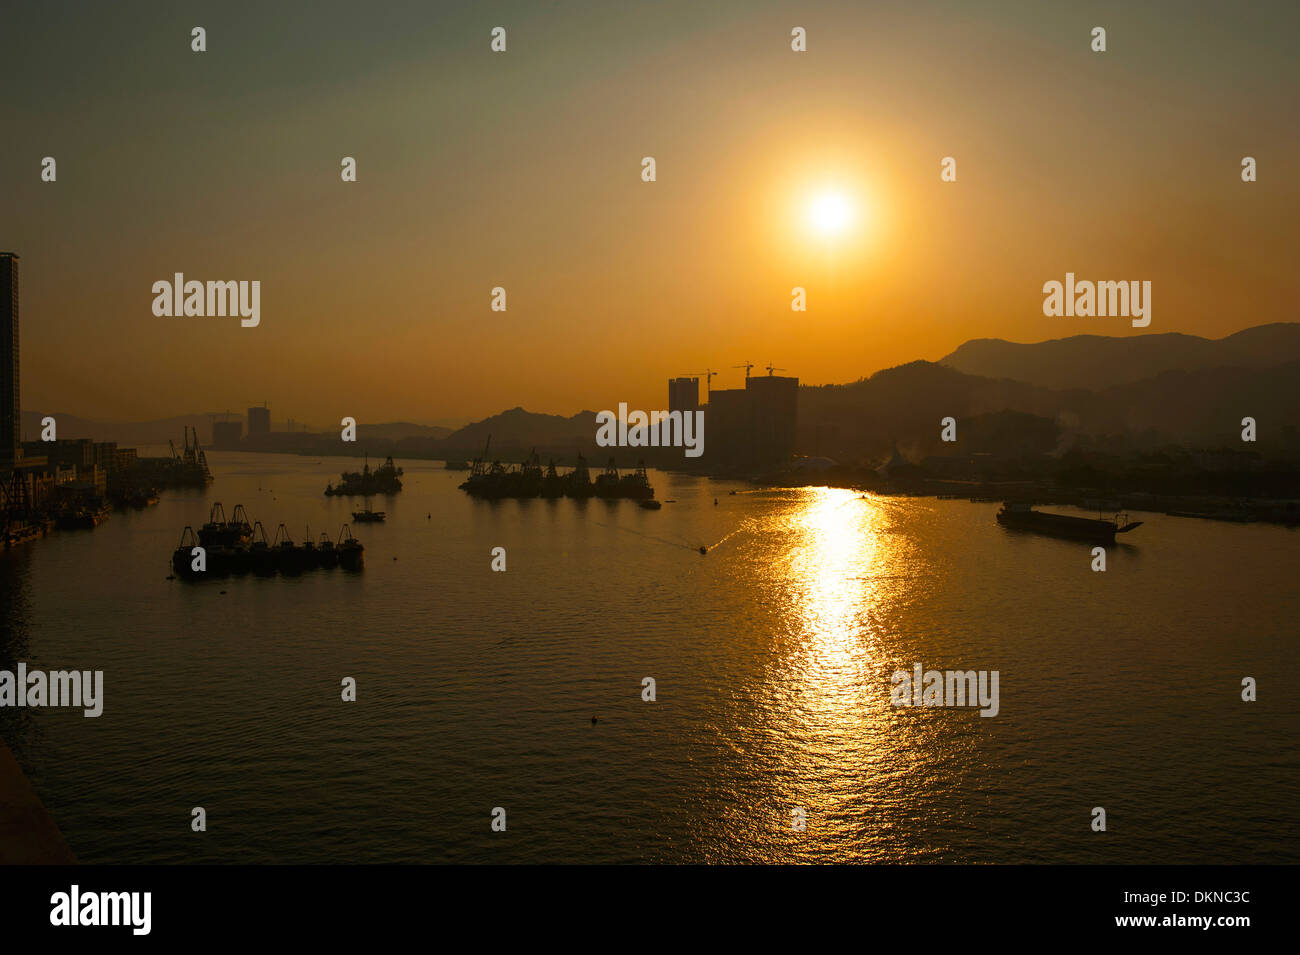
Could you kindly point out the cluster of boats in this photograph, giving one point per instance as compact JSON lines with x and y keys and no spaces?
{"x":385,"y":479}
{"x":530,"y":479}
{"x":238,"y":546}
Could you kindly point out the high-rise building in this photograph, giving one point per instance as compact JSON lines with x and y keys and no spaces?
{"x":683,"y":394}
{"x":775,"y":402}
{"x":754,"y":426}
{"x":226,"y":434}
{"x":11,"y":422}
{"x":259,"y":422}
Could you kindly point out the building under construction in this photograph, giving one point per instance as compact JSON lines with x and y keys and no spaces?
{"x":745,"y":428}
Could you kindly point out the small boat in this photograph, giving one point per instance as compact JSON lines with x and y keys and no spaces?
{"x":651,"y":505}
{"x":368,"y":516}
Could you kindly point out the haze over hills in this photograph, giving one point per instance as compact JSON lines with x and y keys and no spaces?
{"x":1097,"y":361}
{"x":1203,"y":407}
{"x":1147,"y":391}
{"x":162,"y":430}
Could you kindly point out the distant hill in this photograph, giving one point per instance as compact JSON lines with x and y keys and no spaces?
{"x":1096,"y":362}
{"x":905,"y":405}
{"x":125,"y":433}
{"x":519,"y":430}
{"x":852,"y":423}
{"x":159,"y":432}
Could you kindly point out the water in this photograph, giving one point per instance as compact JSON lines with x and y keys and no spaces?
{"x":772,"y":657}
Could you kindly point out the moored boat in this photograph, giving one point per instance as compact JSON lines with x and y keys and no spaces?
{"x":288,"y":558}
{"x":326,"y":553}
{"x":261,"y":557}
{"x":351,"y":551}
{"x":1021,"y":516}
{"x":183,"y":556}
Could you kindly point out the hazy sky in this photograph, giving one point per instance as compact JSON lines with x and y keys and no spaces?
{"x":523,"y":170}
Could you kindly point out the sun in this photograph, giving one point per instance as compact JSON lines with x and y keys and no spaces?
{"x":830,"y":213}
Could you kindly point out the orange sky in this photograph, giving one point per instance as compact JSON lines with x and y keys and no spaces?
{"x":522,"y":170}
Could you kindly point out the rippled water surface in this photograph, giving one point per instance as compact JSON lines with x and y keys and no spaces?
{"x":772,"y":657}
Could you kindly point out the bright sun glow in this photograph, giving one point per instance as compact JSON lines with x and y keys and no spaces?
{"x":830,"y":213}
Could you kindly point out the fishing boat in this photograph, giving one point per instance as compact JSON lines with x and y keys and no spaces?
{"x":228,"y":533}
{"x":636,"y":485}
{"x":577,"y":483}
{"x":326,"y":553}
{"x":182,"y":557}
{"x":368,"y":516}
{"x":308,"y":552}
{"x":552,"y":483}
{"x":260,"y":554}
{"x":607,"y":482}
{"x":1018,"y":515}
{"x":351,"y":551}
{"x":288,"y":558}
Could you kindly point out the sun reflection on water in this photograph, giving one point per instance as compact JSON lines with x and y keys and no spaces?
{"x":838,"y":570}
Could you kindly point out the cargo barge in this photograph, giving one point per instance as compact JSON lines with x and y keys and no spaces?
{"x":1020,"y":516}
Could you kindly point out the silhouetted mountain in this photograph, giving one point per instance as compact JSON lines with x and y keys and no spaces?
{"x":125,"y":433}
{"x":853,"y":423}
{"x":906,"y":405}
{"x":516,"y":431}
{"x":1096,"y":362}
{"x":1205,"y":405}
